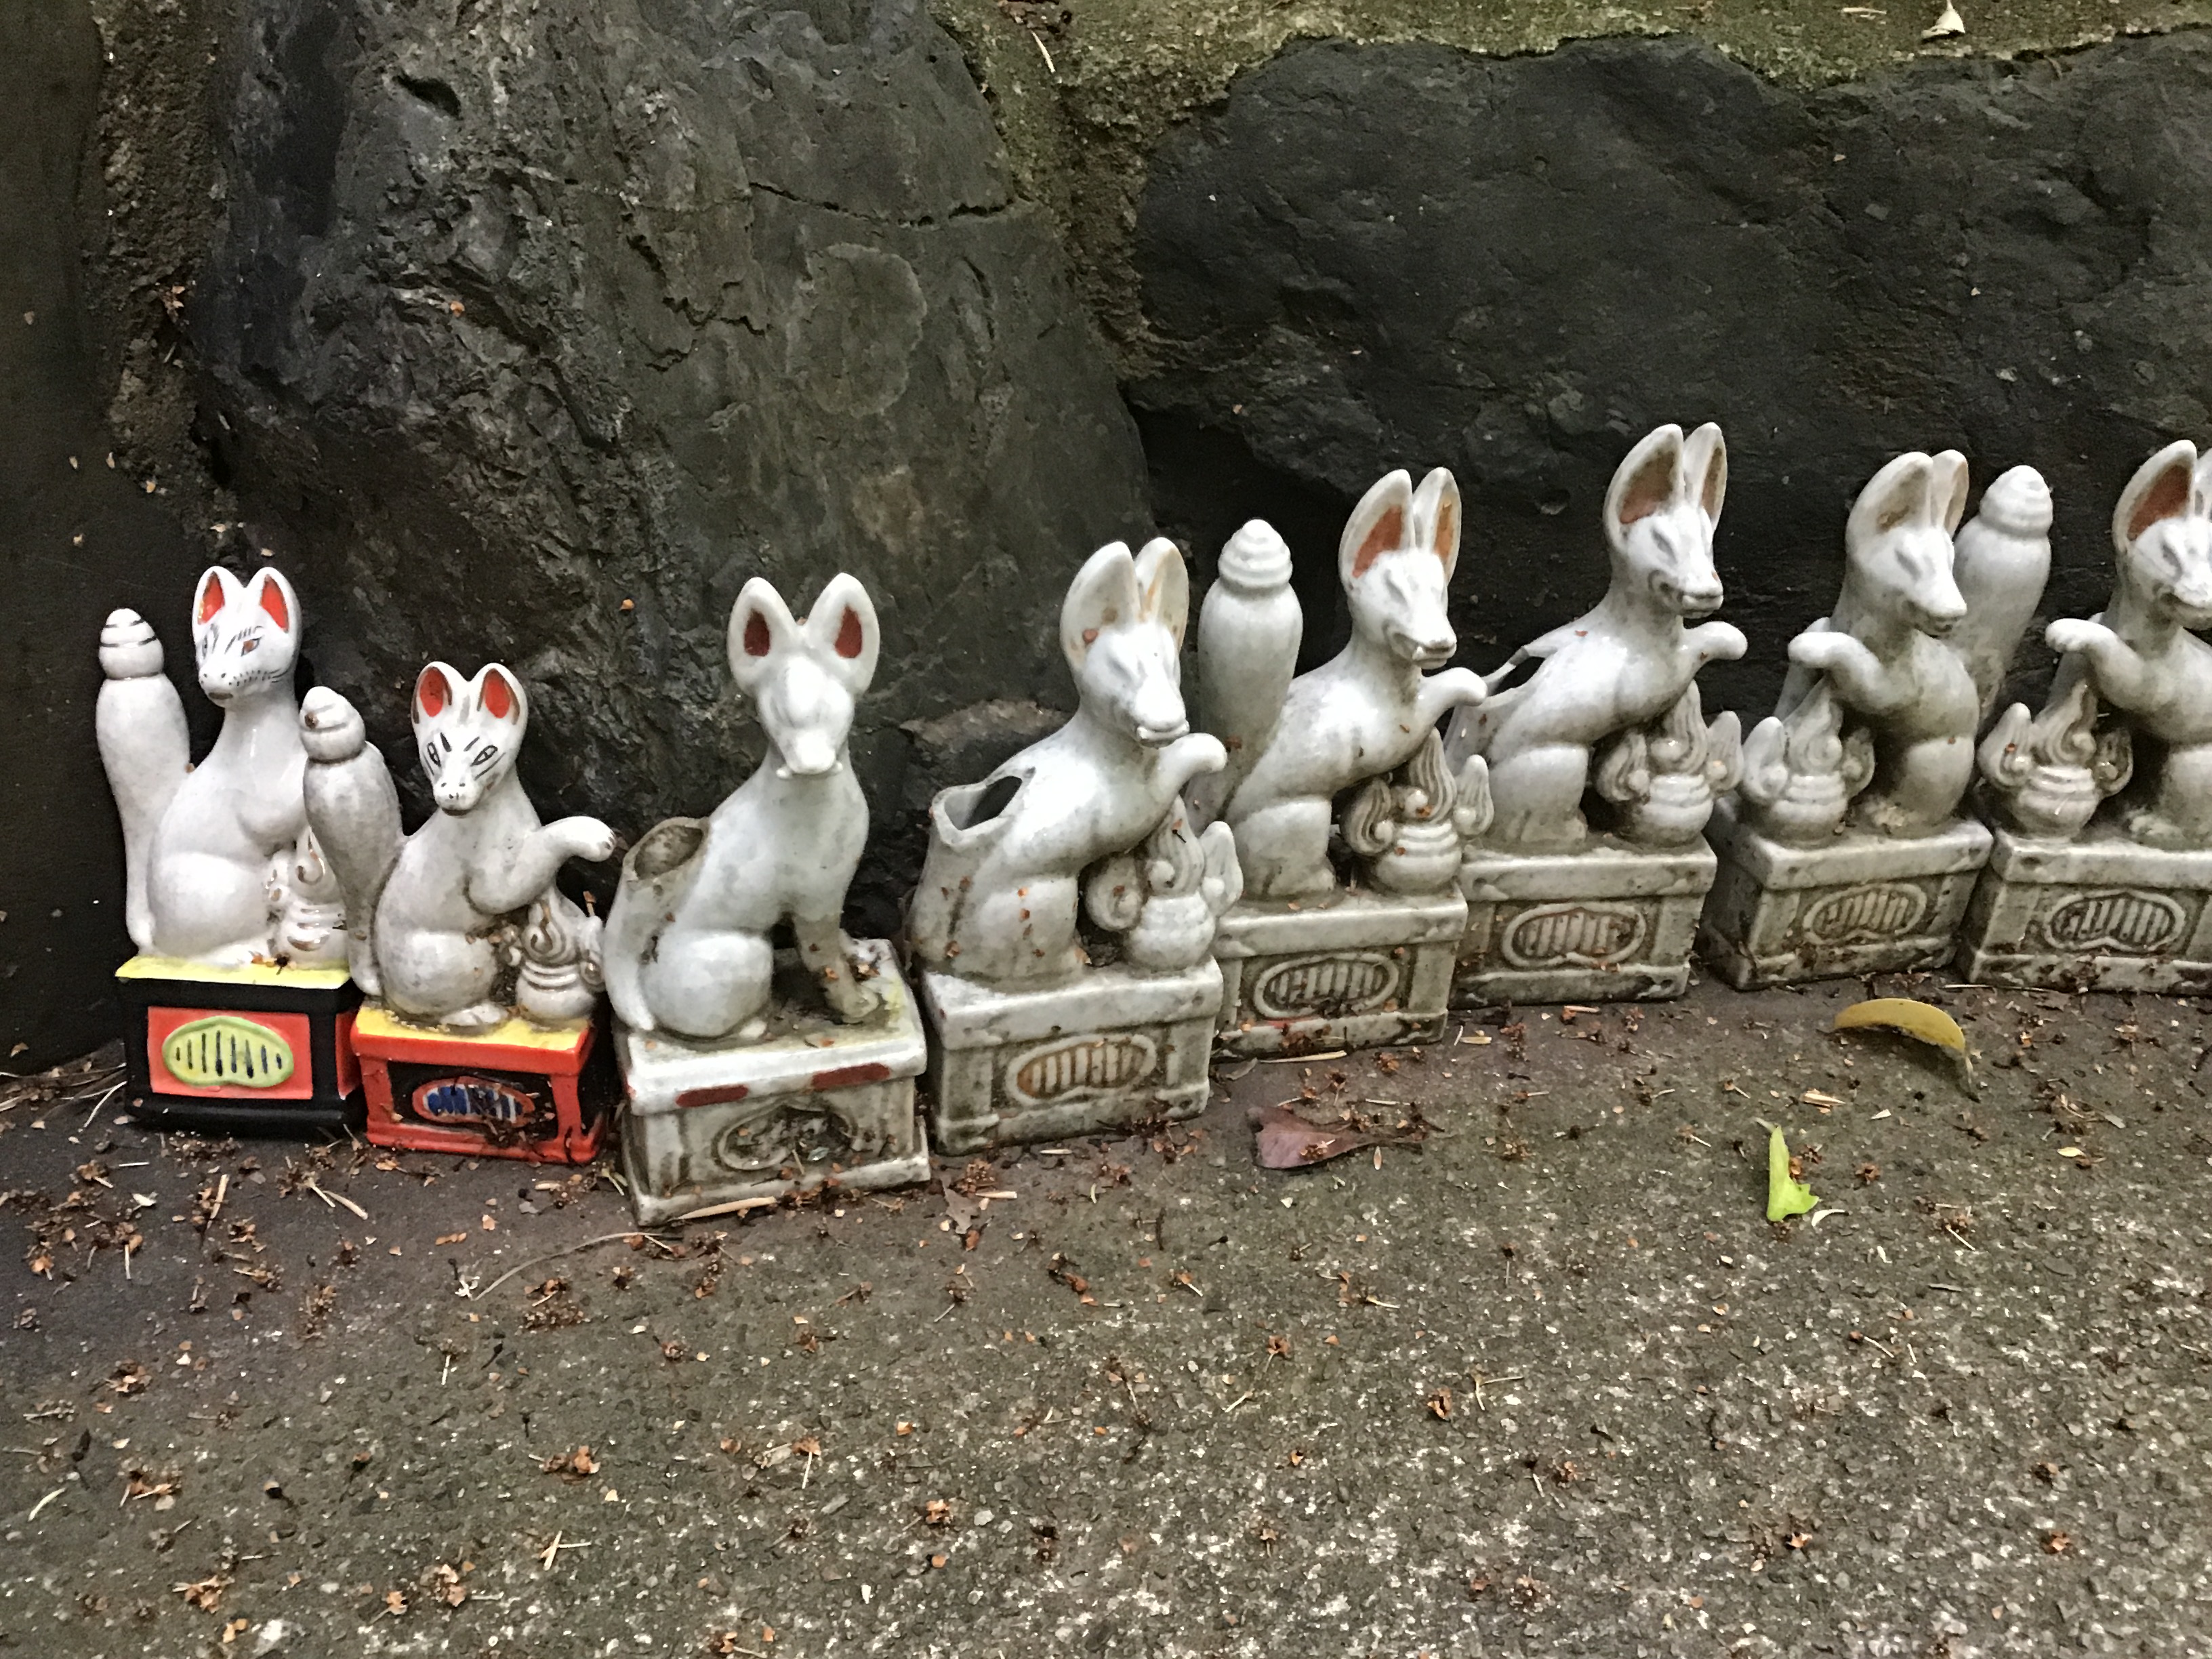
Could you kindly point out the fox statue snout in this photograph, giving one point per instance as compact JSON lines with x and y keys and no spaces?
{"x":1127,"y":665}
{"x":464,"y":729}
{"x":807,"y":715}
{"x":1898,"y":540}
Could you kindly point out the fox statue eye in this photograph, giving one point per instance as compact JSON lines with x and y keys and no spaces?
{"x":249,"y":646}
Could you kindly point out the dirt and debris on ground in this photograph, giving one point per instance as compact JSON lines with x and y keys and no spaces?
{"x":1541,"y":1379}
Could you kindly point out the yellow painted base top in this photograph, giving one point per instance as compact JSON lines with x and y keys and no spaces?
{"x":375,"y":1020}
{"x":252,"y":973}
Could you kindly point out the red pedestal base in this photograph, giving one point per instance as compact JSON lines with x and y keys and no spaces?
{"x":518,"y":1091}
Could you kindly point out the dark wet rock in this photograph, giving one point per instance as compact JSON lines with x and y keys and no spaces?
{"x":1380,"y":256}
{"x":534,"y":339}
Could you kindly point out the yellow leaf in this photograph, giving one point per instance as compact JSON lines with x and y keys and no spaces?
{"x":1785,"y":1195}
{"x":1922,"y":1021}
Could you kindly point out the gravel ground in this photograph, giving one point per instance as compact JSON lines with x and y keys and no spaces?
{"x":1547,"y":1383}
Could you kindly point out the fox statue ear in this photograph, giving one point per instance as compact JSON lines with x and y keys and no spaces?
{"x":2164,"y":487}
{"x":1435,"y":518}
{"x":1895,"y":496}
{"x":499,"y":694}
{"x":434,"y":692}
{"x":843,"y":631}
{"x":217,"y":589}
{"x":1163,"y":587}
{"x":275,"y":595}
{"x":1648,"y":479}
{"x":1704,"y":468}
{"x":1947,"y":489}
{"x":1105,"y":592}
{"x":1377,"y":526}
{"x":760,"y":626}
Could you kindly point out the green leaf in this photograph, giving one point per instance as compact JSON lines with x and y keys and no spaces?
{"x":1785,"y":1195}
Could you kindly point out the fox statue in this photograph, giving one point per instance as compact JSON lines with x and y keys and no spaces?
{"x":2140,"y":664}
{"x":1624,"y":673}
{"x":467,"y":923}
{"x":687,"y":942}
{"x":1008,"y":857}
{"x":221,"y":866}
{"x":1878,"y":713}
{"x":1369,"y":712}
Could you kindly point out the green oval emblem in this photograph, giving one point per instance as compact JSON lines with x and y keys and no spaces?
{"x":226,"y":1050}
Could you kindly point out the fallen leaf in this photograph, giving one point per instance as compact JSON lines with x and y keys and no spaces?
{"x":1922,"y":1021}
{"x":577,"y":1465}
{"x":1785,"y":1195}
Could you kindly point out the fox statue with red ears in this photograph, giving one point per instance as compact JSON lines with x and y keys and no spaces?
{"x":470,"y":894}
{"x":220,"y":866}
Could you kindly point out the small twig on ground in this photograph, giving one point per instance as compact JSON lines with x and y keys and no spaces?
{"x":470,"y":1292}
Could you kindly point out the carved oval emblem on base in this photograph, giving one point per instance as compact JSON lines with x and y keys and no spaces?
{"x":1573,"y":935}
{"x":467,"y":1099}
{"x":226,"y":1050}
{"x":766,"y":1146}
{"x":2122,"y":920}
{"x":1878,"y":910}
{"x":1087,"y":1068}
{"x":1331,"y":986}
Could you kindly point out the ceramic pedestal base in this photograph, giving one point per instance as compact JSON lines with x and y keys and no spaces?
{"x":1608,"y":922}
{"x":1352,"y":969}
{"x":2100,"y":913}
{"x":1861,"y":904}
{"x":253,"y":1050}
{"x":810,"y":1104}
{"x":1104,"y":1052}
{"x":518,"y":1091}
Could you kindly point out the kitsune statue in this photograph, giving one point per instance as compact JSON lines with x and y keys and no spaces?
{"x":1008,"y":856}
{"x":2136,"y":670}
{"x":221,"y":867}
{"x":687,"y":946}
{"x":467,"y":925}
{"x":1367,"y":714}
{"x":1878,"y":716}
{"x":1620,"y":683}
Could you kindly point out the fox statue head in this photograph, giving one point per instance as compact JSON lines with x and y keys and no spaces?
{"x":2162,"y":532}
{"x":468,"y":732}
{"x":1660,"y":512}
{"x":246,"y":635}
{"x":1896,"y":543}
{"x":803,"y":677}
{"x":1121,"y":628}
{"x":1395,"y":559}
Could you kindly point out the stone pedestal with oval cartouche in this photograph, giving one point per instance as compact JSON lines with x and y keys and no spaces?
{"x":1846,"y":850}
{"x":2101,"y":877}
{"x":1349,"y":926}
{"x":1561,"y":909}
{"x":1064,"y":919}
{"x":751,"y":1071}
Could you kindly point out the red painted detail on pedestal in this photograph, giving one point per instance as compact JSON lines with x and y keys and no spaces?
{"x":722,"y":1095}
{"x":397,"y":1117}
{"x":844,"y":1076}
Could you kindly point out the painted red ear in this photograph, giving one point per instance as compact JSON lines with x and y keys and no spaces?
{"x":1389,"y":531}
{"x":272,"y":601}
{"x":432,"y":693}
{"x":210,"y":597}
{"x":757,"y":640}
{"x":849,"y":641}
{"x":498,"y":695}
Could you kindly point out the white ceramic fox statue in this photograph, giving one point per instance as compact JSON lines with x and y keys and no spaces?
{"x":999,"y":890}
{"x":221,"y":867}
{"x":468,"y":925}
{"x":687,"y":944}
{"x":1368,"y":712}
{"x":1624,"y":674}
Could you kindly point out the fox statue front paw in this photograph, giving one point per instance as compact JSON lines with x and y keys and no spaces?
{"x":128,"y":647}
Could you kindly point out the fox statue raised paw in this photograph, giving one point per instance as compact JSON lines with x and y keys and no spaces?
{"x":1876,"y":723}
{"x":1005,"y":872}
{"x":687,"y":946}
{"x":1364,"y":715}
{"x":468,"y":927}
{"x":2136,"y":669}
{"x":1622,"y":678}
{"x":220,"y":866}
